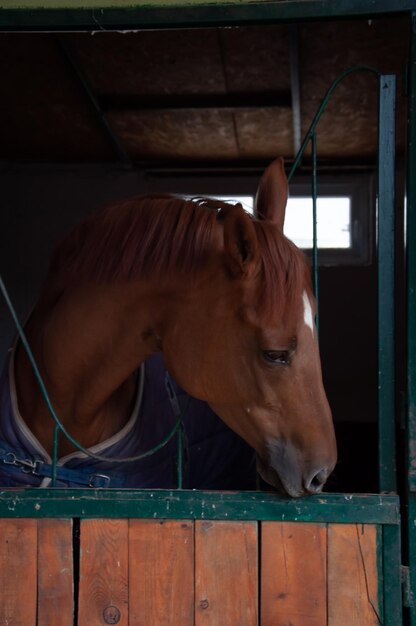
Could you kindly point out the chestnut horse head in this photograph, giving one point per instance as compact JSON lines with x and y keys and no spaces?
{"x":225,"y":297}
{"x":247,"y":345}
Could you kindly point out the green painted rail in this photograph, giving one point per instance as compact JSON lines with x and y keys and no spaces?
{"x":99,"y":15}
{"x":186,"y":504}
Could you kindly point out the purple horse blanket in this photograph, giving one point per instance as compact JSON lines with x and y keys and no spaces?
{"x":214,"y":457}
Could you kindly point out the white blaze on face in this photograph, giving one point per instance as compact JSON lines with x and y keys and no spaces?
{"x":307,"y":311}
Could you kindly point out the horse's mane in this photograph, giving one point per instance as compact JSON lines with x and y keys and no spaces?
{"x":157,"y":235}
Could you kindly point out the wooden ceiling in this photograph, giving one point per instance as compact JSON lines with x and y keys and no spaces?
{"x":200,"y":96}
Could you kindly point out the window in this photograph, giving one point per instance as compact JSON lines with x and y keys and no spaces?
{"x":345,"y":218}
{"x":333,"y":222}
{"x":345,"y":211}
{"x":333,"y":219}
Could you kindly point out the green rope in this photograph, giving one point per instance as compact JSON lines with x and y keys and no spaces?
{"x":56,"y":431}
{"x":309,"y":134}
{"x":311,"y":137}
{"x":180,"y":457}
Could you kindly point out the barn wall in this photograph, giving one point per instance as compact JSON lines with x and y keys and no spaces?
{"x":38,"y":206}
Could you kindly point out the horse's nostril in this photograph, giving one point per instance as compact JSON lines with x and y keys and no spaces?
{"x":316,"y":480}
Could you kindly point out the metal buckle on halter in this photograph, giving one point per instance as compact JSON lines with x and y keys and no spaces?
{"x":104,"y":478}
{"x":26,"y":465}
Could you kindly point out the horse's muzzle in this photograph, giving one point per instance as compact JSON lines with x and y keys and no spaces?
{"x":289,"y":474}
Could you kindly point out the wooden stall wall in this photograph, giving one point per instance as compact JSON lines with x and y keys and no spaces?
{"x":184,"y":573}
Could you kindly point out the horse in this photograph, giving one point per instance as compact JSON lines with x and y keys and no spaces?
{"x":223,"y":297}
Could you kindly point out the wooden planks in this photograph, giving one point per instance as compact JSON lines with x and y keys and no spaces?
{"x":18,"y":580}
{"x":352,"y":575}
{"x":186,"y":573}
{"x":226,"y":574}
{"x":160,"y":576}
{"x":55,"y":573}
{"x":103,"y":581}
{"x":161,"y":573}
{"x":316,"y":575}
{"x":294,"y":576}
{"x":130,"y":573}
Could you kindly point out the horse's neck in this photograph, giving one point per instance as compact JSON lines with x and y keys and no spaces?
{"x":88,"y":347}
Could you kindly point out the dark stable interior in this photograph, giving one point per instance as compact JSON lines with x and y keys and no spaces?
{"x":207,"y":110}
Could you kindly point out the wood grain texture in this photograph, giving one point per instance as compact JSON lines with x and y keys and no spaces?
{"x":161,"y":573}
{"x":18,"y":584}
{"x":293,"y":574}
{"x":55,"y":573}
{"x":352,"y":575}
{"x":103,"y":587}
{"x":226,"y":574}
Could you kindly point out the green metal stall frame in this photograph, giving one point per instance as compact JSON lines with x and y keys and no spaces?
{"x":384,"y":510}
{"x":96,"y":15}
{"x":411,"y":327}
{"x":380,"y":510}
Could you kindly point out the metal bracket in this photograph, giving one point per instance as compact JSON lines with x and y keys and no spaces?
{"x":408,"y":595}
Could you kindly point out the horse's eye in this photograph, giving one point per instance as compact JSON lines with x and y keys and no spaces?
{"x":276,"y":357}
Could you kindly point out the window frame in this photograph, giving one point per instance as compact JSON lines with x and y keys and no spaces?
{"x":359,"y":186}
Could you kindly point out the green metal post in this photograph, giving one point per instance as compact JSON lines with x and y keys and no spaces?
{"x":385,"y":237}
{"x":411,"y":319}
{"x":315,"y":227}
{"x":392,"y":587}
{"x":386,"y":342}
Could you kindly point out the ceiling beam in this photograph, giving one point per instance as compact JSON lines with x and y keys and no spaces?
{"x":271,"y":99}
{"x":295,"y":88}
{"x":118,"y":148}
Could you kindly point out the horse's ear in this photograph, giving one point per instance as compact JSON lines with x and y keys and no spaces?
{"x":272,"y":193}
{"x":240,"y":242}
